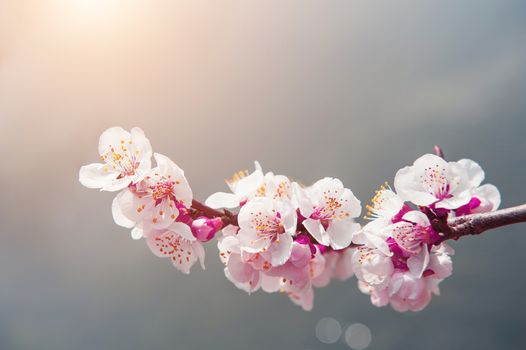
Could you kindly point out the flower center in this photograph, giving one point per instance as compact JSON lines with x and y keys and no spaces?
{"x":121,"y":159}
{"x":436,"y":181}
{"x":268,"y":227}
{"x":163,"y":190}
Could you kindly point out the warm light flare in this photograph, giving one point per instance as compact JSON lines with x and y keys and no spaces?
{"x":92,"y":8}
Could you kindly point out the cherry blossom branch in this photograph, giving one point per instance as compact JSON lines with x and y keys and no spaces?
{"x":454,"y":229}
{"x":294,"y":237}
{"x":478,"y":223}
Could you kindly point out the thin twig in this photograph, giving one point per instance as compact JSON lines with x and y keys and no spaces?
{"x":226,"y":216}
{"x":439,"y":151}
{"x":478,"y":223}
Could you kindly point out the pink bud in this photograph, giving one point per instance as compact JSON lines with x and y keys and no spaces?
{"x":204,"y":229}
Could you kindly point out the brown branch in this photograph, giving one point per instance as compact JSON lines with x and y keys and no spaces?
{"x":226,"y":216}
{"x":478,"y":223}
{"x":454,"y":228}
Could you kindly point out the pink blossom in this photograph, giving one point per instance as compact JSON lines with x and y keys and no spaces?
{"x":267,"y":225}
{"x":177,"y":243}
{"x":154,"y":203}
{"x":329,"y":210}
{"x":126,"y":157}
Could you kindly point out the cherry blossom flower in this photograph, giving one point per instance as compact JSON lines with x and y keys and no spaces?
{"x":155,"y":202}
{"x":240,"y":266}
{"x":246,"y":186}
{"x":386,"y":205}
{"x":253,"y":271}
{"x":267,"y":225}
{"x":243,"y":186}
{"x":177,"y":243}
{"x":400,"y":267}
{"x":329,"y":209}
{"x":412,"y":231}
{"x":295,"y":277}
{"x":372,"y":265}
{"x":432,"y":180}
{"x":126,"y":156}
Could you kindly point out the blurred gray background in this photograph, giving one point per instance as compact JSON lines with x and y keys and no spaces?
{"x":351,"y":89}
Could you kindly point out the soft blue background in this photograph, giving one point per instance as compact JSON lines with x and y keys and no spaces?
{"x":351,"y":89}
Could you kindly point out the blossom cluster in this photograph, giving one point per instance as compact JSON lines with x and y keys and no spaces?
{"x":154,"y":202}
{"x":402,"y":258}
{"x":287,"y":237}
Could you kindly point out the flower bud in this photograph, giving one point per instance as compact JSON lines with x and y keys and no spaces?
{"x":204,"y":229}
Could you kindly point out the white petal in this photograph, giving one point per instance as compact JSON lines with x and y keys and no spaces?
{"x":249,"y":184}
{"x":97,"y":175}
{"x":454,"y":202}
{"x":341,"y":233}
{"x":304,"y":203}
{"x":378,"y":242}
{"x":111,"y":138}
{"x":289,"y":217}
{"x":325,"y":184}
{"x":186,"y":257}
{"x":475,"y":172}
{"x":228,"y":243}
{"x":409,"y":189}
{"x":280,"y":250}
{"x":117,"y":185}
{"x":489,"y":196}
{"x":222,"y":200}
{"x":417,"y":217}
{"x":317,"y":231}
{"x":141,"y":148}
{"x":200,"y":253}
{"x":167,"y":166}
{"x":137,"y":233}
{"x":182,"y":230}
{"x":123,"y":199}
{"x":418,"y":263}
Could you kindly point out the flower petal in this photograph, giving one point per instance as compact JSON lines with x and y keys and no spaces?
{"x":123,"y":200}
{"x":98,"y":175}
{"x":222,"y":200}
{"x":317,"y":231}
{"x":341,"y":233}
{"x":417,"y":264}
{"x":182,"y":230}
{"x":111,"y":138}
{"x":417,"y":217}
{"x":280,"y":250}
{"x":474,"y":171}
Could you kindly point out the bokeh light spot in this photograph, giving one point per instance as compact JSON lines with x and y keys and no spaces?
{"x":328,"y":330}
{"x":358,"y":336}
